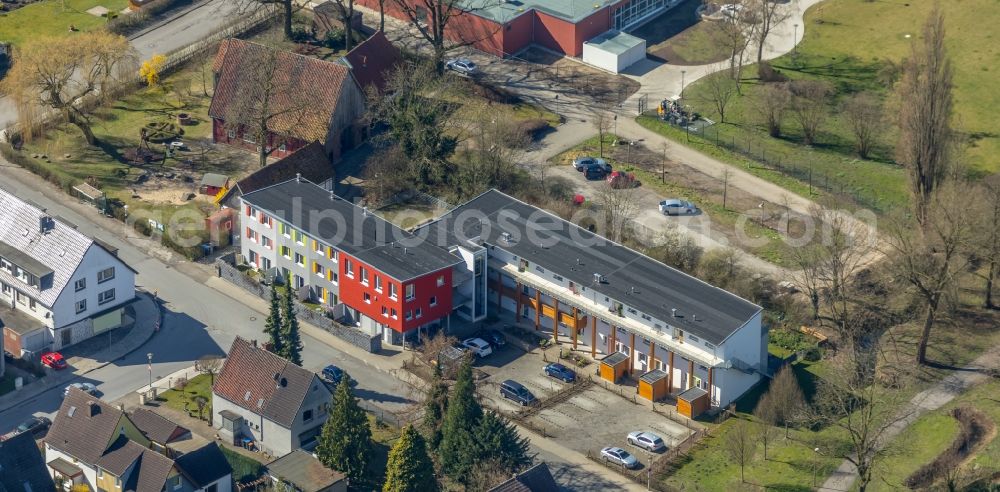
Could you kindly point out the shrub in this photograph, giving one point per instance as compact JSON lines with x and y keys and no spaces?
{"x":531,"y":129}
{"x":790,"y":340}
{"x":767,"y":73}
{"x":162,"y":132}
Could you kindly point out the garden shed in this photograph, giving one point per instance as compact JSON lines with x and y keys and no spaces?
{"x":614,"y":366}
{"x":653,"y":385}
{"x":692,"y":402}
{"x":614,"y":51}
{"x":212,"y":184}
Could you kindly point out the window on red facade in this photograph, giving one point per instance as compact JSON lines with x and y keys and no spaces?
{"x":434,"y":301}
{"x":440,"y":280}
{"x":409,"y":292}
{"x":392,"y":291}
{"x":368,"y":298}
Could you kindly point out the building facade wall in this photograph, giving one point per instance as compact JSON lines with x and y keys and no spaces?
{"x":95,"y":260}
{"x":89,"y":473}
{"x":285,"y":145}
{"x":271,"y":437}
{"x":518,"y":33}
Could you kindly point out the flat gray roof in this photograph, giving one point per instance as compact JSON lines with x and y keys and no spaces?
{"x":616,"y":42}
{"x":358,"y":232}
{"x":576,"y":254}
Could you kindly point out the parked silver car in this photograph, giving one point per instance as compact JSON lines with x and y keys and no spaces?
{"x":463,"y":66}
{"x":619,"y":456}
{"x":88,"y":388}
{"x":646,"y":440}
{"x":674,"y":206}
{"x":583,"y":162}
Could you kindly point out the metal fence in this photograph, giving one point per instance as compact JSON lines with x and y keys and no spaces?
{"x":750,"y":145}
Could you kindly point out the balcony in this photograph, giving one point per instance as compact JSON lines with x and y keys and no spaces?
{"x":588,"y":307}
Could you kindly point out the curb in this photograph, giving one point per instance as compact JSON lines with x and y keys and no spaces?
{"x":39,"y":391}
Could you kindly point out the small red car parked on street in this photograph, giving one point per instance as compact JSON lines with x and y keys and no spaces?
{"x":54,"y":360}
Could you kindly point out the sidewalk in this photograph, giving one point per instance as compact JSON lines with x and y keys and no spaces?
{"x":148,"y":316}
{"x":928,"y":400}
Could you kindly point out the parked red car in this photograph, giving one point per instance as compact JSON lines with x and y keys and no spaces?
{"x":621,"y":179}
{"x":54,"y":360}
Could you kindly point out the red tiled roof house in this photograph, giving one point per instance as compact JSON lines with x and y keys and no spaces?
{"x":302,"y":99}
{"x":262,"y":397}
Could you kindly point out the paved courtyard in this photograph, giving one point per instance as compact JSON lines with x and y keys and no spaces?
{"x":587,"y":421}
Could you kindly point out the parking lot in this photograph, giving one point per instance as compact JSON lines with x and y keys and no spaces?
{"x":587,"y":421}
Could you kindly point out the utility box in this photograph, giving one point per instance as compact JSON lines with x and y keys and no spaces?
{"x":692,"y":402}
{"x":653,"y":385}
{"x":614,"y":366}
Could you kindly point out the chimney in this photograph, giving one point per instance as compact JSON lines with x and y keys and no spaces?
{"x":254,"y":342}
{"x":298,"y":177}
{"x":45,"y":224}
{"x":673,"y":312}
{"x":694,"y":317}
{"x":121,"y":406}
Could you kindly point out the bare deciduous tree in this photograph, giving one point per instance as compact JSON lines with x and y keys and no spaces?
{"x":925,"y":110}
{"x":619,"y":207}
{"x":787,"y":399}
{"x":845,"y":247}
{"x":772,"y":104}
{"x":431,"y":18}
{"x":345,"y":11}
{"x":740,"y":445}
{"x":735,"y":33}
{"x":210,"y":364}
{"x":726,"y":174}
{"x":863,"y":112}
{"x":767,"y":14}
{"x":808,"y":105}
{"x":485,"y":475}
{"x":989,"y":244}
{"x":720,"y":91}
{"x":863,"y":412}
{"x":602,"y":119}
{"x":288,"y":9}
{"x":496,"y":147}
{"x":68,"y":76}
{"x":933,"y":257}
{"x":766,"y":415}
{"x":808,"y":262}
{"x":269,"y":95}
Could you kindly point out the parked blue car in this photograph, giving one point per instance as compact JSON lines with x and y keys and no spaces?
{"x":332,"y":374}
{"x":559,"y":371}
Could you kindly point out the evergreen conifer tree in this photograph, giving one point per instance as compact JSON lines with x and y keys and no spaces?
{"x":345,"y":442}
{"x":409,"y":468}
{"x":497,"y":440}
{"x":435,"y":407}
{"x":272,"y":327}
{"x":291,"y":342}
{"x":458,"y":449}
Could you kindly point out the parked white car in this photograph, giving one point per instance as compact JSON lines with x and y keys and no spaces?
{"x":619,"y":456}
{"x":646,"y":440}
{"x":478,"y":346}
{"x":674,"y":206}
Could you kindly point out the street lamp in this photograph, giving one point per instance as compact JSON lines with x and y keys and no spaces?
{"x":682,"y":83}
{"x":795,"y":39}
{"x":149,"y":366}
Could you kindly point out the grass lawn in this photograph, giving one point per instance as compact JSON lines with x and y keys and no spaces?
{"x":53,"y":18}
{"x":850,"y":44}
{"x":244,"y":469}
{"x":200,"y":385}
{"x":679,"y":37}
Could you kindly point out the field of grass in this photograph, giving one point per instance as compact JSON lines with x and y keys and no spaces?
{"x":53,"y":18}
{"x":853,"y":44}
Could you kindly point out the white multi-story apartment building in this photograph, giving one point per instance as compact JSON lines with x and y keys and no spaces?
{"x":604,"y":298}
{"x":63,"y":285}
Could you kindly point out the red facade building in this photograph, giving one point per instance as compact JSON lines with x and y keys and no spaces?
{"x":505,"y":28}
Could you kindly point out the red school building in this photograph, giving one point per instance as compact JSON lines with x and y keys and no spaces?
{"x":503,"y":28}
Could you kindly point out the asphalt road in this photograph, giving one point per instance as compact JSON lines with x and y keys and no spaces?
{"x":198,"y":321}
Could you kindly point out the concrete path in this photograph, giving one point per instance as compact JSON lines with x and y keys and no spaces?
{"x":147,"y":320}
{"x":928,"y":400}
